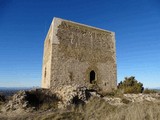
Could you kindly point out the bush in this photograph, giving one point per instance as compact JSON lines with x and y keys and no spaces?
{"x":2,"y":98}
{"x":130,"y":85}
{"x":41,"y":99}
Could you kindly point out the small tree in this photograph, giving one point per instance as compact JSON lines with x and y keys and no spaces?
{"x":130,"y":85}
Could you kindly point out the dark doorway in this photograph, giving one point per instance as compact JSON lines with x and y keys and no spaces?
{"x":92,"y":76}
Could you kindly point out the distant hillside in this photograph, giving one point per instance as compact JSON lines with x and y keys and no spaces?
{"x":8,"y":91}
{"x":156,"y":89}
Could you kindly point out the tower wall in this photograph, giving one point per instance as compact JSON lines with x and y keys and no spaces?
{"x":47,"y":55}
{"x":75,"y":51}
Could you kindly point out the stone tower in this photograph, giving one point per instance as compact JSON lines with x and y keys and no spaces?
{"x":79,"y":54}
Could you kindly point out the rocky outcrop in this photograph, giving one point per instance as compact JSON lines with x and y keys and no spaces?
{"x":30,"y":100}
{"x":17,"y":102}
{"x":72,"y":94}
{"x":63,"y":96}
{"x":36,"y":99}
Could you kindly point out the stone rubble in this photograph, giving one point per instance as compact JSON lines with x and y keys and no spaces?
{"x":132,"y":98}
{"x":113,"y":101}
{"x":67,"y":93}
{"x":142,"y":97}
{"x":18,"y":102}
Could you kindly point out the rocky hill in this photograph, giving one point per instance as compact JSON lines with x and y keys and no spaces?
{"x":79,"y":103}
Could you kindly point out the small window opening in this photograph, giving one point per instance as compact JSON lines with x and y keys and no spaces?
{"x":45,"y":73}
{"x":92,"y":77}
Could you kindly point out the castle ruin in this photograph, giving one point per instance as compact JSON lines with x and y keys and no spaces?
{"x":79,"y":54}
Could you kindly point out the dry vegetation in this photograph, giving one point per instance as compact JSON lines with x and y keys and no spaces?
{"x":98,"y":109}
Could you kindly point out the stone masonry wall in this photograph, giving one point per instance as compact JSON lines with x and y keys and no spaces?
{"x":79,"y":50}
{"x":46,"y":68}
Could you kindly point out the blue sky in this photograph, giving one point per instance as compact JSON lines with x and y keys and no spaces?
{"x":24,"y":25}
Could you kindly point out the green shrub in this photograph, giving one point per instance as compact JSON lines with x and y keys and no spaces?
{"x":130,"y":85}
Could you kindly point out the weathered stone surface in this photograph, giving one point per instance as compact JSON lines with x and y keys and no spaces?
{"x":76,"y":53}
{"x":71,"y":95}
